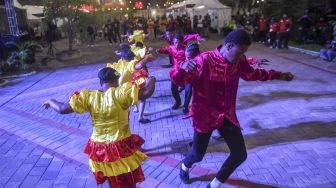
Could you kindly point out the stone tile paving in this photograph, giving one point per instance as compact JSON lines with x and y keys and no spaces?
{"x":289,"y":130}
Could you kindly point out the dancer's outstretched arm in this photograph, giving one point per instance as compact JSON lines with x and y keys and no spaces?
{"x":59,"y":107}
{"x":163,"y":50}
{"x":190,"y":37}
{"x":142,"y":63}
{"x":253,"y":74}
{"x":257,"y":62}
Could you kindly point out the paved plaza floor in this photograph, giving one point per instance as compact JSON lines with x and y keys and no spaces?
{"x":289,"y":128}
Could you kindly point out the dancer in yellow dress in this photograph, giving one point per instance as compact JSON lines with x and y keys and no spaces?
{"x":134,"y":36}
{"x":140,"y":50}
{"x":132,"y":68}
{"x":114,"y":152}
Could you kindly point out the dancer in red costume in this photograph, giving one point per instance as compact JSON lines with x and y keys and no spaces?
{"x":214,"y":76}
{"x":169,"y":37}
{"x":176,"y":51}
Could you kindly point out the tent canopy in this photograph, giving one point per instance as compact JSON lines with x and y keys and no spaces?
{"x":220,"y":14}
{"x":207,"y":4}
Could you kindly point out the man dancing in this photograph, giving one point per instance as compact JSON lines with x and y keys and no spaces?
{"x":214,"y":76}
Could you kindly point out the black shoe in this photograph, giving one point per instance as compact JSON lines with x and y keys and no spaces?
{"x":185,"y":110}
{"x":176,"y":106}
{"x":144,"y":121}
{"x":184,"y":175}
{"x":180,"y":89}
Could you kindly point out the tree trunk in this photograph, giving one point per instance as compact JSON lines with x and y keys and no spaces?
{"x":71,"y":36}
{"x":237,"y":6}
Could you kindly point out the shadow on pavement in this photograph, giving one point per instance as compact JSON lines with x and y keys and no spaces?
{"x":167,"y":116}
{"x":234,"y":182}
{"x":161,"y":96}
{"x":257,"y":99}
{"x":297,"y":132}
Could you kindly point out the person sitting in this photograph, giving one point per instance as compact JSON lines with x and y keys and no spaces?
{"x":329,"y":53}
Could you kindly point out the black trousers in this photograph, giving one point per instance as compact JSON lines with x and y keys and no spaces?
{"x":235,"y":141}
{"x":283,"y":40}
{"x":262,"y":36}
{"x":187,"y":96}
{"x":170,"y":60}
{"x":110,"y":37}
{"x":273,"y":37}
{"x":175,"y":92}
{"x":117,"y":35}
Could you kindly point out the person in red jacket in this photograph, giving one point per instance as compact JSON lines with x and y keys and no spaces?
{"x":274,"y":27}
{"x":285,"y":24}
{"x":169,"y":37}
{"x":176,"y":51}
{"x":172,"y":23}
{"x":262,"y":23}
{"x":214,"y":76}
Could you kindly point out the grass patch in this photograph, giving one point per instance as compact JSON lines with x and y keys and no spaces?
{"x":312,"y":47}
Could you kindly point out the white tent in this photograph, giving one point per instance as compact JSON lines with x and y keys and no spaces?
{"x":219,"y":13}
{"x":32,"y":10}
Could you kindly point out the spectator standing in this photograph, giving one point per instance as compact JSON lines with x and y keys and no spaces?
{"x":200,"y":26}
{"x":305,"y":24}
{"x":163,"y":24}
{"x":171,"y":22}
{"x":151,"y":27}
{"x":188,"y":26}
{"x":285,"y":24}
{"x":273,"y":33}
{"x":116,"y":30}
{"x":195,"y":22}
{"x":2,"y":53}
{"x":262,"y":22}
{"x":110,"y":34}
{"x":179,"y":25}
{"x":90,"y":35}
{"x":207,"y":24}
{"x":156,"y":27}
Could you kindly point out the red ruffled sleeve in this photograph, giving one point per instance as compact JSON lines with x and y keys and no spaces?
{"x":139,"y":78}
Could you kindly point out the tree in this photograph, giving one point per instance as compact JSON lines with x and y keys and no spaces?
{"x":292,"y":8}
{"x":68,"y":10}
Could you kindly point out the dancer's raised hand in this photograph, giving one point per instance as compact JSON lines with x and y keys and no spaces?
{"x":288,"y":76}
{"x":188,"y":65}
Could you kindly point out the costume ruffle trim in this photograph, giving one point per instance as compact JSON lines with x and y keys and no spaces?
{"x":137,"y":76}
{"x":123,"y":180}
{"x":113,"y":151}
{"x":119,"y":167}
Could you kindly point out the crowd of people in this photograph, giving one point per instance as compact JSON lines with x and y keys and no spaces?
{"x":305,"y":29}
{"x":211,"y":78}
{"x":276,"y":33}
{"x":113,"y":29}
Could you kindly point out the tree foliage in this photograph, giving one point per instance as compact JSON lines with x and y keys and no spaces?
{"x":69,"y":11}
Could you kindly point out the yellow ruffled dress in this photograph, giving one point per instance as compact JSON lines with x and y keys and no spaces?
{"x":138,"y":51}
{"x":113,"y":151}
{"x":137,"y":36}
{"x":128,"y":73}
